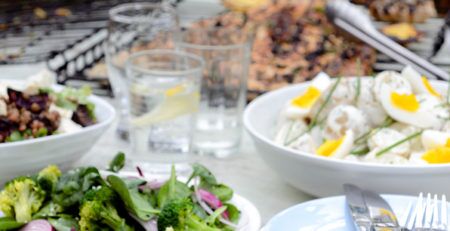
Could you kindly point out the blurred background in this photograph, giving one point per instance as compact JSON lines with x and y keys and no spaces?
{"x":68,"y":37}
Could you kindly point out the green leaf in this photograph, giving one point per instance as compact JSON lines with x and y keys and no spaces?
{"x":213,"y":217}
{"x":221,"y":191}
{"x":8,"y":223}
{"x":233,"y":212}
{"x":64,"y":223}
{"x":205,"y":175}
{"x":136,"y":202}
{"x":172,"y":189}
{"x":42,"y":132}
{"x":117,"y":163}
{"x":51,"y":209}
{"x":14,"y":136}
{"x":72,"y":185}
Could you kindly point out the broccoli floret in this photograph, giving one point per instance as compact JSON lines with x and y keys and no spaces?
{"x":48,"y":177}
{"x":178,"y":215}
{"x":21,"y":198}
{"x":99,"y":212}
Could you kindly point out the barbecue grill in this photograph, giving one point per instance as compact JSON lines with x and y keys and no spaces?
{"x":70,"y":39}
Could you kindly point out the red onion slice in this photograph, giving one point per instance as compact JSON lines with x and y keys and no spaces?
{"x":37,"y":225}
{"x":208,"y":209}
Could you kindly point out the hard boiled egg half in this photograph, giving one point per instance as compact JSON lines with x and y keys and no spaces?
{"x":301,"y":105}
{"x":410,"y":108}
{"x":437,"y":146}
{"x":338,"y":148}
{"x":419,"y":83}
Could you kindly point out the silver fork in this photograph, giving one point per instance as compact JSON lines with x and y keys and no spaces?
{"x":428,"y":214}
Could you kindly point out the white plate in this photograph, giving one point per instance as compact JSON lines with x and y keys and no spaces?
{"x":328,"y":214}
{"x":250,"y":217}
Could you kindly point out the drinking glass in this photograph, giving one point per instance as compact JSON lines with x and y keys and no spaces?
{"x":224,"y":85}
{"x":164,"y":95}
{"x":135,"y":27}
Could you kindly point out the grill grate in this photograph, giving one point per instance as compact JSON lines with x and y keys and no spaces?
{"x":70,"y":39}
{"x":31,"y":31}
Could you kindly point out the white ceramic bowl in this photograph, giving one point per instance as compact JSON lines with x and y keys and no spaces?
{"x":29,"y":156}
{"x":322,"y":176}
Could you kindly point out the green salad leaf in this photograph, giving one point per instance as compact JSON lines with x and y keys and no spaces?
{"x":117,"y":163}
{"x":172,"y":189}
{"x":64,"y":223}
{"x":136,"y":202}
{"x":72,"y":186}
{"x":9,"y":223}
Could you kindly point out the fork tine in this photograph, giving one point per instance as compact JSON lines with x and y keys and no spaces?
{"x":407,"y":215}
{"x":428,"y":216}
{"x":443,"y":219}
{"x":412,"y":213}
{"x":436,"y":218}
{"x":419,"y":213}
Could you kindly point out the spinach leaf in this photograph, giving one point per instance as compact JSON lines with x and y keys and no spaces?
{"x":70,"y":189}
{"x":172,"y":189}
{"x":8,"y":223}
{"x":117,"y":163}
{"x":221,"y":191}
{"x":203,"y":173}
{"x":136,"y":202}
{"x":233,"y":213}
{"x":64,"y":223}
{"x":51,"y":209}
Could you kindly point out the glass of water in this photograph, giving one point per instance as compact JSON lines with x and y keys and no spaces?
{"x":164,"y":96}
{"x":135,"y":27}
{"x":224,"y":85}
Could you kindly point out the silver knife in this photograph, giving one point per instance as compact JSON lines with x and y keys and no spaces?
{"x":381,"y":214}
{"x":357,"y":206}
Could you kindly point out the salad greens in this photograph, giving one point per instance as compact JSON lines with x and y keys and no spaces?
{"x":83,"y":199}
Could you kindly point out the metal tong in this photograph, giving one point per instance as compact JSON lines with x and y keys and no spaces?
{"x":354,"y":21}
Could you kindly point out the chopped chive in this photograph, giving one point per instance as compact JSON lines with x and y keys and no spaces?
{"x":388,"y":148}
{"x":314,"y":120}
{"x":358,"y":89}
{"x":288,"y":133}
{"x":358,"y":80}
{"x":360,"y":152}
{"x":386,"y":123}
{"x":327,"y":100}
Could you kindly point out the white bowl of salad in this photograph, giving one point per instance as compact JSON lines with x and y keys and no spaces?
{"x":86,"y":198}
{"x":389,"y":133}
{"x":41,"y":122}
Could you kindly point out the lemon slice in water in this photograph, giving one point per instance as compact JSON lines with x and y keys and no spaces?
{"x":177,"y":101}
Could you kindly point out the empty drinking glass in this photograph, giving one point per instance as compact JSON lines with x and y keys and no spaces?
{"x":224,"y":84}
{"x":135,"y":27}
{"x":164,"y":95}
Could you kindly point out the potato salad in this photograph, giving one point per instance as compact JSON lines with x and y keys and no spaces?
{"x":391,"y":118}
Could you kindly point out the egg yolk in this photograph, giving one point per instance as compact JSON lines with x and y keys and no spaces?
{"x":448,"y":143}
{"x":429,"y":88}
{"x":329,"y":147}
{"x":437,"y":156}
{"x":406,"y":102}
{"x":307,"y":99}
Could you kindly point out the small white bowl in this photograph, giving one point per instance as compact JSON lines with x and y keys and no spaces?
{"x":30,"y":156}
{"x":322,"y":176}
